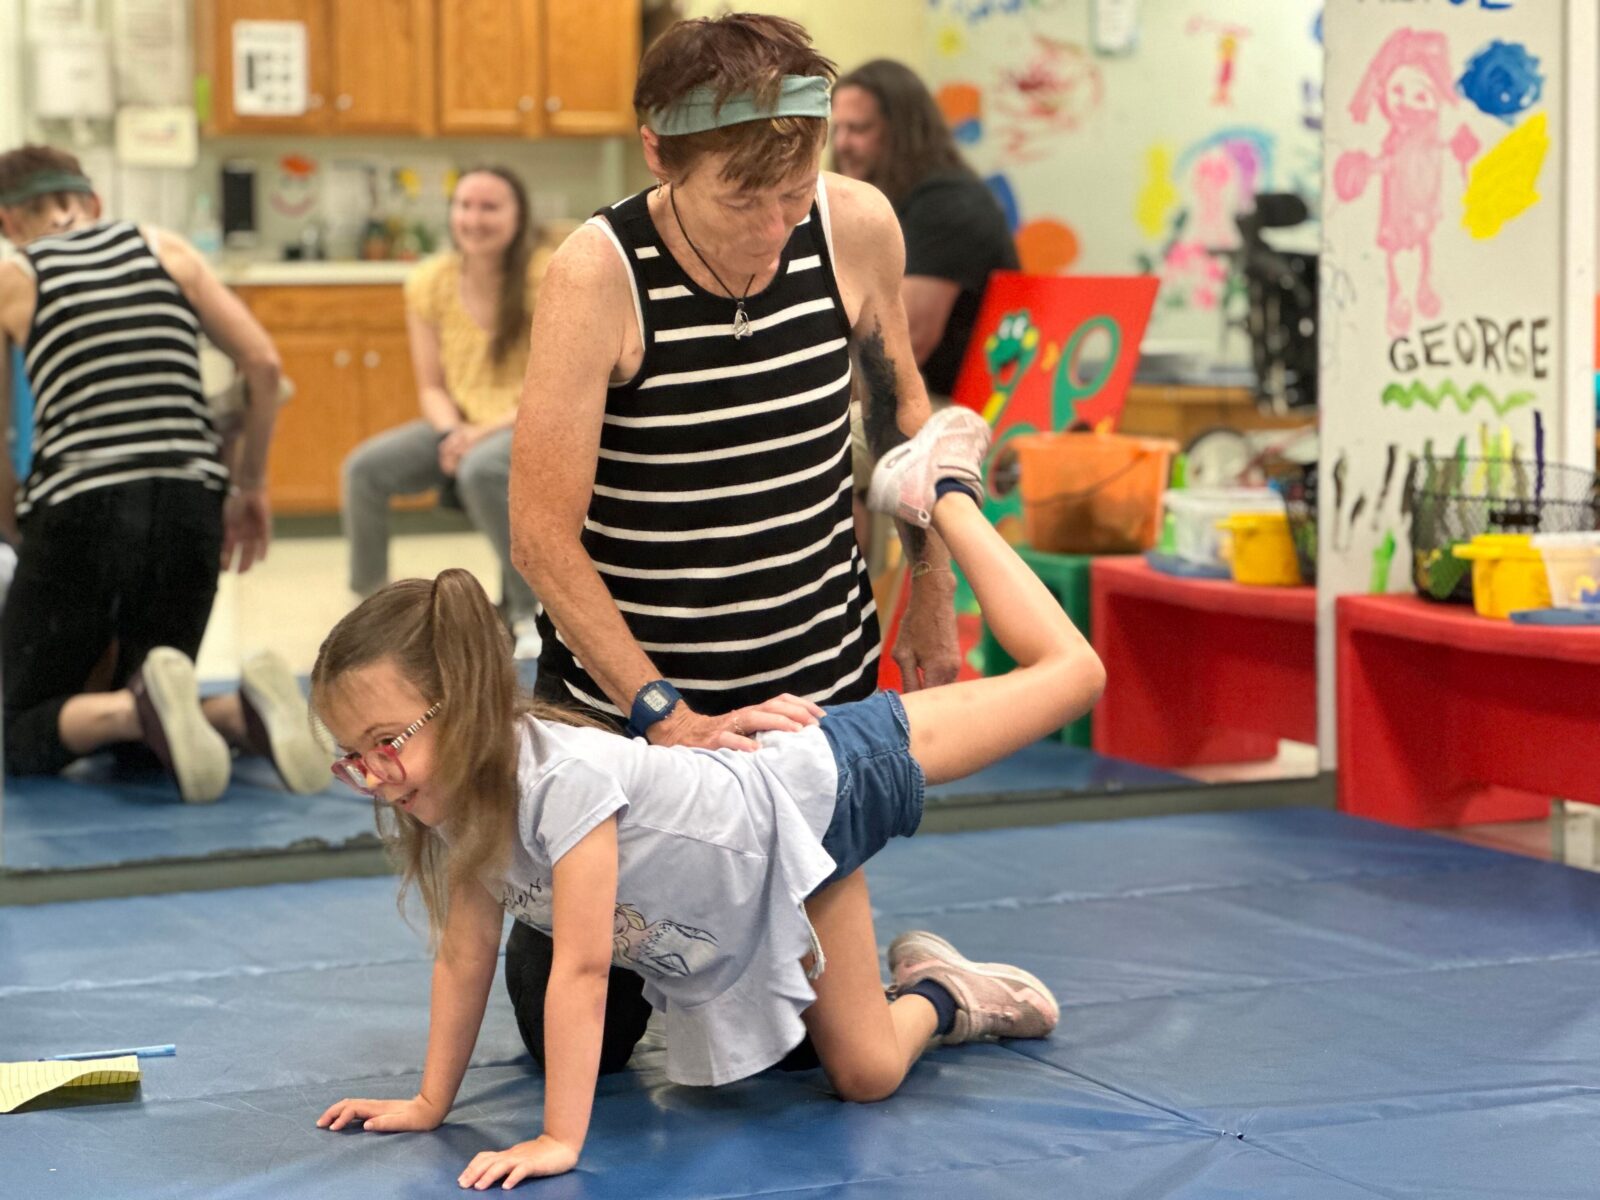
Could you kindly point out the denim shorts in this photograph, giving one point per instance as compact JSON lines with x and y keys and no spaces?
{"x":880,"y":785}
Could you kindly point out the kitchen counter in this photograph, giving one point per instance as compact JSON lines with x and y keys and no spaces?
{"x":346,"y":272}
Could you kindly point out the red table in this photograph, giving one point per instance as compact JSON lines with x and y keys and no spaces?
{"x":1200,"y":670}
{"x":1449,"y":718}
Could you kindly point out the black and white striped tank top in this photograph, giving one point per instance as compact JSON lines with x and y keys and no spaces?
{"x":721,"y":515}
{"x":113,"y":359}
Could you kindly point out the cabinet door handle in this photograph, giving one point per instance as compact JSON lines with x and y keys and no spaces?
{"x":314,"y":101}
{"x":341,"y":358}
{"x":525,"y":104}
{"x":343,"y":103}
{"x":552,"y":104}
{"x":371,"y":359}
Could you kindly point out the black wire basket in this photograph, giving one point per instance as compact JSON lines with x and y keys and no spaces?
{"x":1297,"y":484}
{"x":1453,"y":500}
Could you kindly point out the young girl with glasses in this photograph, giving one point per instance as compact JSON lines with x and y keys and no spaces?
{"x":730,"y":881}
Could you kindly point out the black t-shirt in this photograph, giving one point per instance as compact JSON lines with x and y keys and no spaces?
{"x":954,"y":229}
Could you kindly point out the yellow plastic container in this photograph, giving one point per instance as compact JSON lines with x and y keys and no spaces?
{"x":1260,"y":549}
{"x":1508,"y":574}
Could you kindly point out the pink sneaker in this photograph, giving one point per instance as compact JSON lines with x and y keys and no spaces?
{"x":950,"y":446}
{"x":993,"y":1000}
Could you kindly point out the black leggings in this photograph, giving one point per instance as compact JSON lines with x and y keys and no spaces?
{"x":135,"y":564}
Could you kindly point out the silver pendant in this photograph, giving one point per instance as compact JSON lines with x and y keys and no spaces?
{"x":741,"y":323}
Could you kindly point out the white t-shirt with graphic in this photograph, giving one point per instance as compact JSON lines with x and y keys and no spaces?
{"x":717,"y":851}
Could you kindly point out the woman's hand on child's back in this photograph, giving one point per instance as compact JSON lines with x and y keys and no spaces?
{"x":542,"y":1156}
{"x":735,"y":730}
{"x":415,"y":1115}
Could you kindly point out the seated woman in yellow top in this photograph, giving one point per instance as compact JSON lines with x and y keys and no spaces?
{"x":468,"y":313}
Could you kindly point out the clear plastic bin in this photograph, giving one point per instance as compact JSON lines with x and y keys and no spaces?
{"x":1572,"y":565}
{"x":1196,"y":511}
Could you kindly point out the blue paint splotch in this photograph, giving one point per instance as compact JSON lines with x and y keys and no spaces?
{"x":1502,"y":80}
{"x":1001,"y":187}
{"x":968,"y":132}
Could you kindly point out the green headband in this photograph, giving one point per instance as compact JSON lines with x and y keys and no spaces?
{"x":46,"y":183}
{"x":698,"y":111}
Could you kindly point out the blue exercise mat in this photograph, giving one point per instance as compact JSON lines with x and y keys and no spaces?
{"x":95,"y":815}
{"x":1288,"y":1004}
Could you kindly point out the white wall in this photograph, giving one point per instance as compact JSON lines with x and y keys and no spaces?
{"x":1144,"y":157}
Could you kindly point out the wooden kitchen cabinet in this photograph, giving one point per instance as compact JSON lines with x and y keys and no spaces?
{"x":591,"y":63}
{"x":516,"y":68}
{"x":371,"y":65}
{"x":215,"y":28}
{"x":491,"y":78}
{"x":530,"y":67}
{"x":316,"y":429}
{"x":345,"y":350}
{"x":383,"y":66}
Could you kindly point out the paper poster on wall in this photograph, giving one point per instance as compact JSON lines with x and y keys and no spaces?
{"x":48,"y":18}
{"x":72,"y":77}
{"x":270,"y":68}
{"x":150,"y":46}
{"x":157,"y":137}
{"x":1116,"y":26}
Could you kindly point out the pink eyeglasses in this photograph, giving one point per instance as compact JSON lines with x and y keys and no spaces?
{"x":382,"y":762}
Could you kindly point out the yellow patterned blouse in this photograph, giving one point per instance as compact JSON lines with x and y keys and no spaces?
{"x":482,"y":390}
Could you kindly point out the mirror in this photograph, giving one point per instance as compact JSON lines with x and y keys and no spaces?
{"x":1098,"y":174}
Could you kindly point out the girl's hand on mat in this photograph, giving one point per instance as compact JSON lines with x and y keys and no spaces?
{"x":542,"y":1156}
{"x":735,"y":730}
{"x":415,"y":1115}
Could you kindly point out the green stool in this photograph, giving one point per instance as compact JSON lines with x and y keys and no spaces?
{"x":1067,"y":577}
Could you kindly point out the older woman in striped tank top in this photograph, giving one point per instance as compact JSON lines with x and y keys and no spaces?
{"x":681,"y":474}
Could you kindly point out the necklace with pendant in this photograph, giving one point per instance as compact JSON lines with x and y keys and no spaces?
{"x":741,"y":320}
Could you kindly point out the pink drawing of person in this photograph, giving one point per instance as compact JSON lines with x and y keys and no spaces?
{"x":1409,"y":79}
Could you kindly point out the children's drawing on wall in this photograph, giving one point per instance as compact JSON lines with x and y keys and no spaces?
{"x":1195,"y":201}
{"x":962,"y":107}
{"x":1502,"y":80}
{"x":1045,"y":245}
{"x":980,"y":12}
{"x":1056,"y":91}
{"x":1409,"y":82}
{"x":1228,"y":37}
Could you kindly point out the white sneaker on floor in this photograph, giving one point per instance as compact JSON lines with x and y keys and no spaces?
{"x":278,"y":724}
{"x":167,"y":698}
{"x":993,"y":1000}
{"x":951,"y":445}
{"x":529,"y":643}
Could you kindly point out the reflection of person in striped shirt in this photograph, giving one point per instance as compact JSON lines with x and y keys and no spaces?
{"x":129,"y":504}
{"x":681,"y":478}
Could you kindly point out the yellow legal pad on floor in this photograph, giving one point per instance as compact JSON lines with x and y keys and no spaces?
{"x":24,"y":1081}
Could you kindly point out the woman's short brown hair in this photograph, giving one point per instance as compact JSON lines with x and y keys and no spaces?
{"x":22,"y":164}
{"x":736,"y":54}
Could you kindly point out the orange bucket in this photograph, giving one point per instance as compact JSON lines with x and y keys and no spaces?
{"x":1092,"y":493}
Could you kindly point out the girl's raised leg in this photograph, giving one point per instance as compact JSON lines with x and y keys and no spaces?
{"x":963,"y":727}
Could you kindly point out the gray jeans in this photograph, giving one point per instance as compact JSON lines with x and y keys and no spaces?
{"x":404,"y":461}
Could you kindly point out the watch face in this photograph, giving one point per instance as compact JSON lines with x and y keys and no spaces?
{"x":655,"y":700}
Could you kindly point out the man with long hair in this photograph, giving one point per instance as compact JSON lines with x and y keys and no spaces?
{"x":888,"y":131}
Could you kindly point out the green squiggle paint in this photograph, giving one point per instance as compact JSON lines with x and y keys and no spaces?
{"x":1409,"y":396}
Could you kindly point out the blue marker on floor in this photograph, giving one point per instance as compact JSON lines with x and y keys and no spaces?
{"x":167,"y":1051}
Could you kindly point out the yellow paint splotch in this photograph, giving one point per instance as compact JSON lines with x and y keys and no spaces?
{"x":1502,"y":183}
{"x":1159,"y":195}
